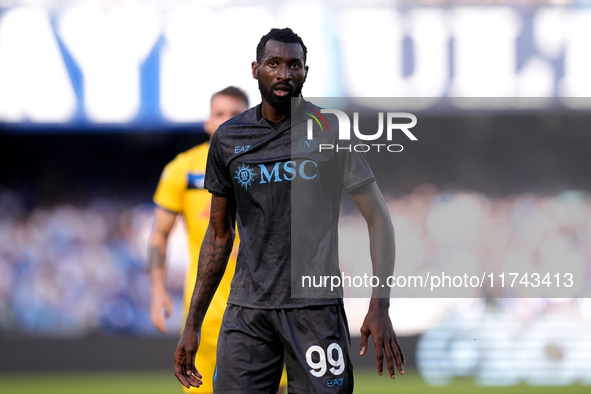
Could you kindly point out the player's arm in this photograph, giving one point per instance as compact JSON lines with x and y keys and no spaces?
{"x":161,"y":303}
{"x":382,"y":247}
{"x":213,"y":258}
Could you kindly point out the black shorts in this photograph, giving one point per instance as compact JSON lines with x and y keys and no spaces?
{"x":312,"y":341}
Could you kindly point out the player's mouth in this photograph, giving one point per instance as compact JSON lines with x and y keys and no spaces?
{"x":282,"y":90}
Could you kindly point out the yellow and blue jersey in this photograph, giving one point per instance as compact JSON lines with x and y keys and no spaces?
{"x":180,"y":190}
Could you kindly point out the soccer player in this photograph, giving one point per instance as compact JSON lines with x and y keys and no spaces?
{"x":249,"y":173}
{"x":180,"y":192}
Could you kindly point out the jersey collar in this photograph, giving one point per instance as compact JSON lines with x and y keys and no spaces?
{"x":295,"y":114}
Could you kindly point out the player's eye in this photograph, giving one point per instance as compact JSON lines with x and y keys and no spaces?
{"x":272,"y":63}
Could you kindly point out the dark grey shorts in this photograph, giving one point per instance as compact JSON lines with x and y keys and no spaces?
{"x":313,"y":342}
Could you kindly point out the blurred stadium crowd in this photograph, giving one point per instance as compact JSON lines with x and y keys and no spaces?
{"x":73,"y":269}
{"x":70,"y":269}
{"x":524,"y":232}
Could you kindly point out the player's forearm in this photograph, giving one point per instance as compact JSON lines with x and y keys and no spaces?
{"x":163,"y":224}
{"x":381,"y":234}
{"x":157,"y":261}
{"x":383,"y":251}
{"x":213,"y":259}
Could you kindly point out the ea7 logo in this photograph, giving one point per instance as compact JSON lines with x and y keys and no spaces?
{"x":334,"y":382}
{"x":240,"y":149}
{"x":345,"y":125}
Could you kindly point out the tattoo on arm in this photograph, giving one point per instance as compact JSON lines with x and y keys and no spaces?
{"x":213,"y":257}
{"x":156,"y":258}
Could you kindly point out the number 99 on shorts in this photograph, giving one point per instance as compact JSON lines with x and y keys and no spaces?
{"x":319,"y":360}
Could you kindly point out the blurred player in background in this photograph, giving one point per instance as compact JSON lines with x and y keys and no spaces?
{"x":180,"y":192}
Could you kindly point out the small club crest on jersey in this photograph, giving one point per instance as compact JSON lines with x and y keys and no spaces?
{"x":306,"y":145}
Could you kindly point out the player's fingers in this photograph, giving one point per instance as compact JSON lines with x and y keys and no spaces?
{"x":179,"y":372}
{"x":399,"y":354}
{"x":189,"y":366}
{"x":156,"y":318}
{"x":192,"y":378}
{"x":168,"y":308}
{"x":196,"y":373}
{"x":198,"y":376}
{"x":379,"y":356}
{"x":364,"y":338}
{"x":181,"y":378}
{"x":194,"y":381}
{"x":159,"y":324}
{"x":190,"y":362}
{"x":162,"y":325}
{"x":390,"y":359}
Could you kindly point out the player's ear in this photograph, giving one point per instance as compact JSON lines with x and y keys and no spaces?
{"x":255,"y":67}
{"x":306,"y":74}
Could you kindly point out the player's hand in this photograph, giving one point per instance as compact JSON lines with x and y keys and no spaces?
{"x":160,"y":309}
{"x":377,"y":324}
{"x":184,"y":359}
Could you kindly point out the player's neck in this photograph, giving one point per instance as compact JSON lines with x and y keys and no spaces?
{"x":273,"y":115}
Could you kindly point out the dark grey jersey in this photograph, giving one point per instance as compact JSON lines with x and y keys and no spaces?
{"x":274,"y":175}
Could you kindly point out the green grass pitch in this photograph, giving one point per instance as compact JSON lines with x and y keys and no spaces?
{"x":366,"y":381}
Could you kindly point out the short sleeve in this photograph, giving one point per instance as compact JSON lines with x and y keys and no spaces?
{"x":354,"y":167}
{"x":217,"y":178}
{"x":172,"y":183}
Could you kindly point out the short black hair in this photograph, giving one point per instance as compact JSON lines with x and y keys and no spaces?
{"x":235,"y":92}
{"x":285,"y":35}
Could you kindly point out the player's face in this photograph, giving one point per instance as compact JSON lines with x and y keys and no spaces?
{"x":223,"y":107}
{"x":281,"y":74}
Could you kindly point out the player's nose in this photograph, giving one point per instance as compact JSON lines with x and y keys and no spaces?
{"x":284,"y":73}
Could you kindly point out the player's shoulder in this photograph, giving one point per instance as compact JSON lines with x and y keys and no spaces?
{"x":196,"y":151}
{"x":309,"y":108}
{"x":184,"y":159}
{"x":310,"y":105}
